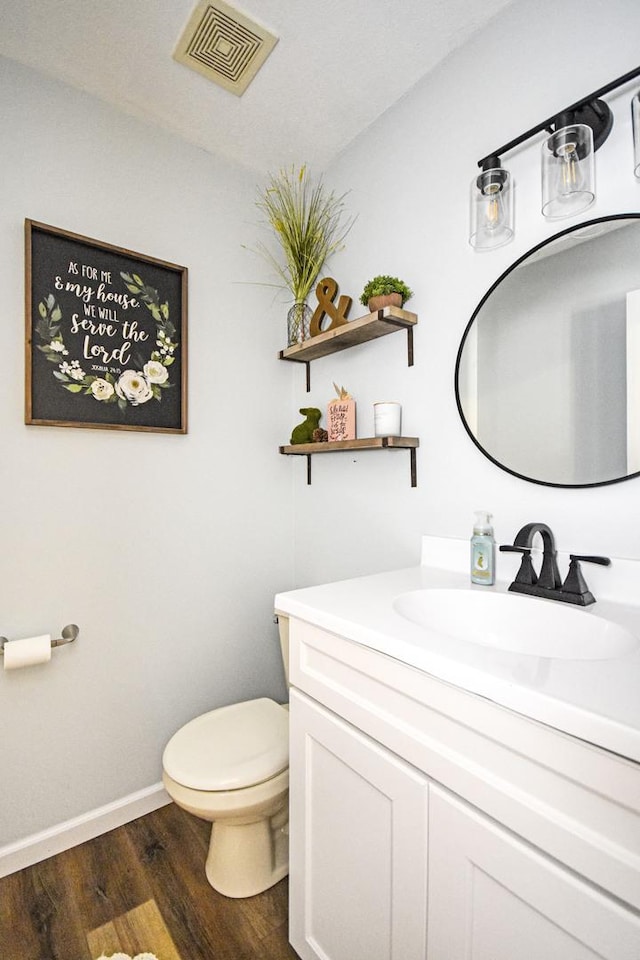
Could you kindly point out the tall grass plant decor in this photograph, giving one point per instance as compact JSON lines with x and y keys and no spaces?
{"x":309,"y":224}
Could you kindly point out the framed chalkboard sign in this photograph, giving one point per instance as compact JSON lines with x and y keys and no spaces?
{"x":106,"y":335}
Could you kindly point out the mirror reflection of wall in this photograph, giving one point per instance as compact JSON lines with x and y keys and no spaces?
{"x":633,"y":381}
{"x":543,"y":378}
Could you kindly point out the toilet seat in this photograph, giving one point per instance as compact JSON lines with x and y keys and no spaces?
{"x":230,"y":748}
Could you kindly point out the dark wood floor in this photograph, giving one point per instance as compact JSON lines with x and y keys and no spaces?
{"x":139,"y":888}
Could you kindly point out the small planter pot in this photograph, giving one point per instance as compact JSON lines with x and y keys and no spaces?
{"x":385,"y":300}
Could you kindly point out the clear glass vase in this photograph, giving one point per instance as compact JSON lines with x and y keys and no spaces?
{"x":298,"y":322}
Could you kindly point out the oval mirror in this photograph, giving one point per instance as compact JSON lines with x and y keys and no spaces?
{"x":548,"y":370}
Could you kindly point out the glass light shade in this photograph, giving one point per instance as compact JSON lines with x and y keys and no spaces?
{"x":491,"y":209}
{"x":635,"y":117}
{"x":568,"y":171}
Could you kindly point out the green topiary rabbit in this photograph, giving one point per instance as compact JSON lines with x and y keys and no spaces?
{"x":303,"y":432}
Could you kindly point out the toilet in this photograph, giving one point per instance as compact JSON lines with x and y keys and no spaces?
{"x":230,"y":766}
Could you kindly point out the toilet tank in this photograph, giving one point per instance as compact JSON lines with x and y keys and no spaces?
{"x":283,"y":628}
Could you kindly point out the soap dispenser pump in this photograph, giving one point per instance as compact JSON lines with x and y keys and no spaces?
{"x":483,"y":550}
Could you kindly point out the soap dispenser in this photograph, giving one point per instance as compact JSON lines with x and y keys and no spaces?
{"x":483,"y":550}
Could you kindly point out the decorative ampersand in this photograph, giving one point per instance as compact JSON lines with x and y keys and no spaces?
{"x":326,"y":292}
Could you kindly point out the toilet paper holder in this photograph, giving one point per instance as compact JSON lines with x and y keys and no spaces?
{"x":69,"y":634}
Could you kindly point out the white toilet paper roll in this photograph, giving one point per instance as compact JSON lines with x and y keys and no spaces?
{"x":25,"y":653}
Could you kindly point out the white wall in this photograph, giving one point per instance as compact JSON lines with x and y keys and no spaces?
{"x":409,"y":175}
{"x":165,"y":550}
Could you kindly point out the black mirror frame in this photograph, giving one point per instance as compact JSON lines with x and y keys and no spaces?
{"x":544,"y":483}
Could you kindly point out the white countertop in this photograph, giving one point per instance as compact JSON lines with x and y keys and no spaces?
{"x":595,"y":700}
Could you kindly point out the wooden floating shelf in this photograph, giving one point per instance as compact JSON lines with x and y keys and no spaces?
{"x":367,"y":443}
{"x":350,"y":334}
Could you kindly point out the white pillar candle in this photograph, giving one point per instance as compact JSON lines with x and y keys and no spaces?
{"x":387,"y":418}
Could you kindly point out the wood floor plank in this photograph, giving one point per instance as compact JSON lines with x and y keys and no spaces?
{"x":18,"y":935}
{"x":104,"y":941}
{"x":65,"y":926}
{"x":139,"y":888}
{"x":141,"y":930}
{"x":109,"y":879}
{"x":276,"y":946}
{"x":265,"y":913}
{"x":44,"y":925}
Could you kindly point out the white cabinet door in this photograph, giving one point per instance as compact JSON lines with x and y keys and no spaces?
{"x":358,"y":832}
{"x":494,"y":897}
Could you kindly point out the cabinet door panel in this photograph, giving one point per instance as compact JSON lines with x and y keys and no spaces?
{"x":494,"y":897}
{"x":358,"y":844}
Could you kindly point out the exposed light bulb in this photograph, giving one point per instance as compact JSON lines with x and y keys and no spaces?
{"x":494,"y":214}
{"x":570,"y":171}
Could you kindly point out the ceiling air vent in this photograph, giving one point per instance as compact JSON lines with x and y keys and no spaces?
{"x":224,"y":45}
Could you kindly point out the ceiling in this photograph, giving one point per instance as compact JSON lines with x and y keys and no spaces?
{"x":338,"y":65}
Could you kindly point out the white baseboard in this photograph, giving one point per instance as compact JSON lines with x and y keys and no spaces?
{"x":39,"y":846}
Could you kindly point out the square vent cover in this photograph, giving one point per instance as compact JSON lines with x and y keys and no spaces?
{"x":224,"y":45}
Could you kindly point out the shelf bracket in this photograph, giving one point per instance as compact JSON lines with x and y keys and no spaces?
{"x":398,"y":323}
{"x":307,"y":364}
{"x":412,"y":460}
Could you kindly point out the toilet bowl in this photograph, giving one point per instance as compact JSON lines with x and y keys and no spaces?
{"x":230,"y":766}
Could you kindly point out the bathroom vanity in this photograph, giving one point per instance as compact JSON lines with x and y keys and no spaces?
{"x":453,"y":799}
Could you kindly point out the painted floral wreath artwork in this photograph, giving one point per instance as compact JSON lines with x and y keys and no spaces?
{"x":130,"y":386}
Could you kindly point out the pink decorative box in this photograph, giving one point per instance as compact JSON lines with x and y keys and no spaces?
{"x":341,"y":420}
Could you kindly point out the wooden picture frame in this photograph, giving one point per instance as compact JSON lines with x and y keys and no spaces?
{"x":106,"y":335}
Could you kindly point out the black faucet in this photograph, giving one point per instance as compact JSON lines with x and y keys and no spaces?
{"x":549,"y":583}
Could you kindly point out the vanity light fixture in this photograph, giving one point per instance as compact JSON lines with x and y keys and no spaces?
{"x":567,"y":166}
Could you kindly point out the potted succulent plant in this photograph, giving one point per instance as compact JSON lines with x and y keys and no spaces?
{"x":385,"y":291}
{"x":307,"y":221}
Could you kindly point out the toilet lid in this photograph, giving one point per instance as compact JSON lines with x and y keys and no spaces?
{"x":229,"y":748}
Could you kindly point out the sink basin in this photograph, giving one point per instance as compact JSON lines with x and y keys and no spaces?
{"x":523,"y":625}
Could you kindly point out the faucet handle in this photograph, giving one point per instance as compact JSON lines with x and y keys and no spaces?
{"x":526,"y":573}
{"x":575,"y":582}
{"x":603,"y":561}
